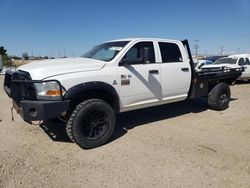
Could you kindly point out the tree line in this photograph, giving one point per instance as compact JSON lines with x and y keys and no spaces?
{"x":6,"y":58}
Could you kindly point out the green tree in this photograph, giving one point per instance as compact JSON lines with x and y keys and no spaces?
{"x":3,"y":51}
{"x":25,"y":56}
{"x":4,"y":56}
{"x":6,"y":61}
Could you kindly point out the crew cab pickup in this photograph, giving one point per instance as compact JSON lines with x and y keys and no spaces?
{"x":113,"y":77}
{"x":232,"y":61}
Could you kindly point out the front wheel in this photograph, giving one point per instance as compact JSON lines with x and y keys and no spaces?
{"x":219,"y":97}
{"x":91,"y":124}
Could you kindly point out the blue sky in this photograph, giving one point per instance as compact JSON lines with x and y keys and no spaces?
{"x":53,"y":27}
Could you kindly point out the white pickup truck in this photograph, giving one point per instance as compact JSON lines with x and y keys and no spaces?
{"x":232,"y":61}
{"x":113,"y":77}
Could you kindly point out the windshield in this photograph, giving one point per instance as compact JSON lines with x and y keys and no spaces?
{"x":225,"y":61}
{"x":106,"y":51}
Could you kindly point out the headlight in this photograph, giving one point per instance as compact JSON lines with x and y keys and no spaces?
{"x":49,"y":89}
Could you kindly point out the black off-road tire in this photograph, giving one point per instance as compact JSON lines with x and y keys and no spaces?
{"x":219,"y":97}
{"x":91,"y":124}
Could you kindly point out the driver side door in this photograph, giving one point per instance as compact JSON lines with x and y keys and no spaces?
{"x":139,"y":81}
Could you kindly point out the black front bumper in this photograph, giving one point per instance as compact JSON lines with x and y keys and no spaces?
{"x":41,"y":110}
{"x":20,"y":88}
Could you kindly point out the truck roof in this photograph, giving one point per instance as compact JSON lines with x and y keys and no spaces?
{"x":239,"y":55}
{"x":144,"y":39}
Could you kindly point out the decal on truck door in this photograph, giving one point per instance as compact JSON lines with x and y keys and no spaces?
{"x":123,"y":76}
{"x":125,"y":82}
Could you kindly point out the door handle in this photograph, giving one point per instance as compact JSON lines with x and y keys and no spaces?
{"x":153,"y":72}
{"x":185,"y":69}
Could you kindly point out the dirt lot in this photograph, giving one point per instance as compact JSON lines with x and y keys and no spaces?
{"x":176,"y":145}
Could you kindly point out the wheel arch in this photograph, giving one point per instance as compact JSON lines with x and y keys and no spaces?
{"x":99,"y":90}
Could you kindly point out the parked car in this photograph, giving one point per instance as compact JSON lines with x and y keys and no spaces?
{"x":113,"y":77}
{"x":201,"y":62}
{"x":232,"y":61}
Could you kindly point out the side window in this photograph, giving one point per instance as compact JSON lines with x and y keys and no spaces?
{"x":135,"y":54}
{"x":241,"y":61}
{"x":170,"y":52}
{"x":247,"y":61}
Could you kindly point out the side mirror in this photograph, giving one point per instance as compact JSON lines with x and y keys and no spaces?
{"x":145,"y":55}
{"x":124,"y":62}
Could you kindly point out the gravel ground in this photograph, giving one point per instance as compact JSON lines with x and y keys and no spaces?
{"x":177,"y":145}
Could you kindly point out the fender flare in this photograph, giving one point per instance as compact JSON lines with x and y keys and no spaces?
{"x":81,"y":88}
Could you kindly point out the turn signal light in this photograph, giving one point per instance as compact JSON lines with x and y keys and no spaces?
{"x":53,"y":92}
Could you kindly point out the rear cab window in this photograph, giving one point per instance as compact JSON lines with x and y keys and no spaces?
{"x":247,"y":61}
{"x":170,"y":52}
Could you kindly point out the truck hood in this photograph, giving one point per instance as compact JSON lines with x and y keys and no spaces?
{"x":220,"y":66}
{"x":47,"y":68}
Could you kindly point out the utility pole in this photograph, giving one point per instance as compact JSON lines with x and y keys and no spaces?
{"x":50,"y":53}
{"x":221,"y":49}
{"x":196,"y":47}
{"x":64,"y":52}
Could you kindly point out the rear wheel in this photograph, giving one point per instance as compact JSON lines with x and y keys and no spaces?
{"x":91,"y":124}
{"x":219,"y":97}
